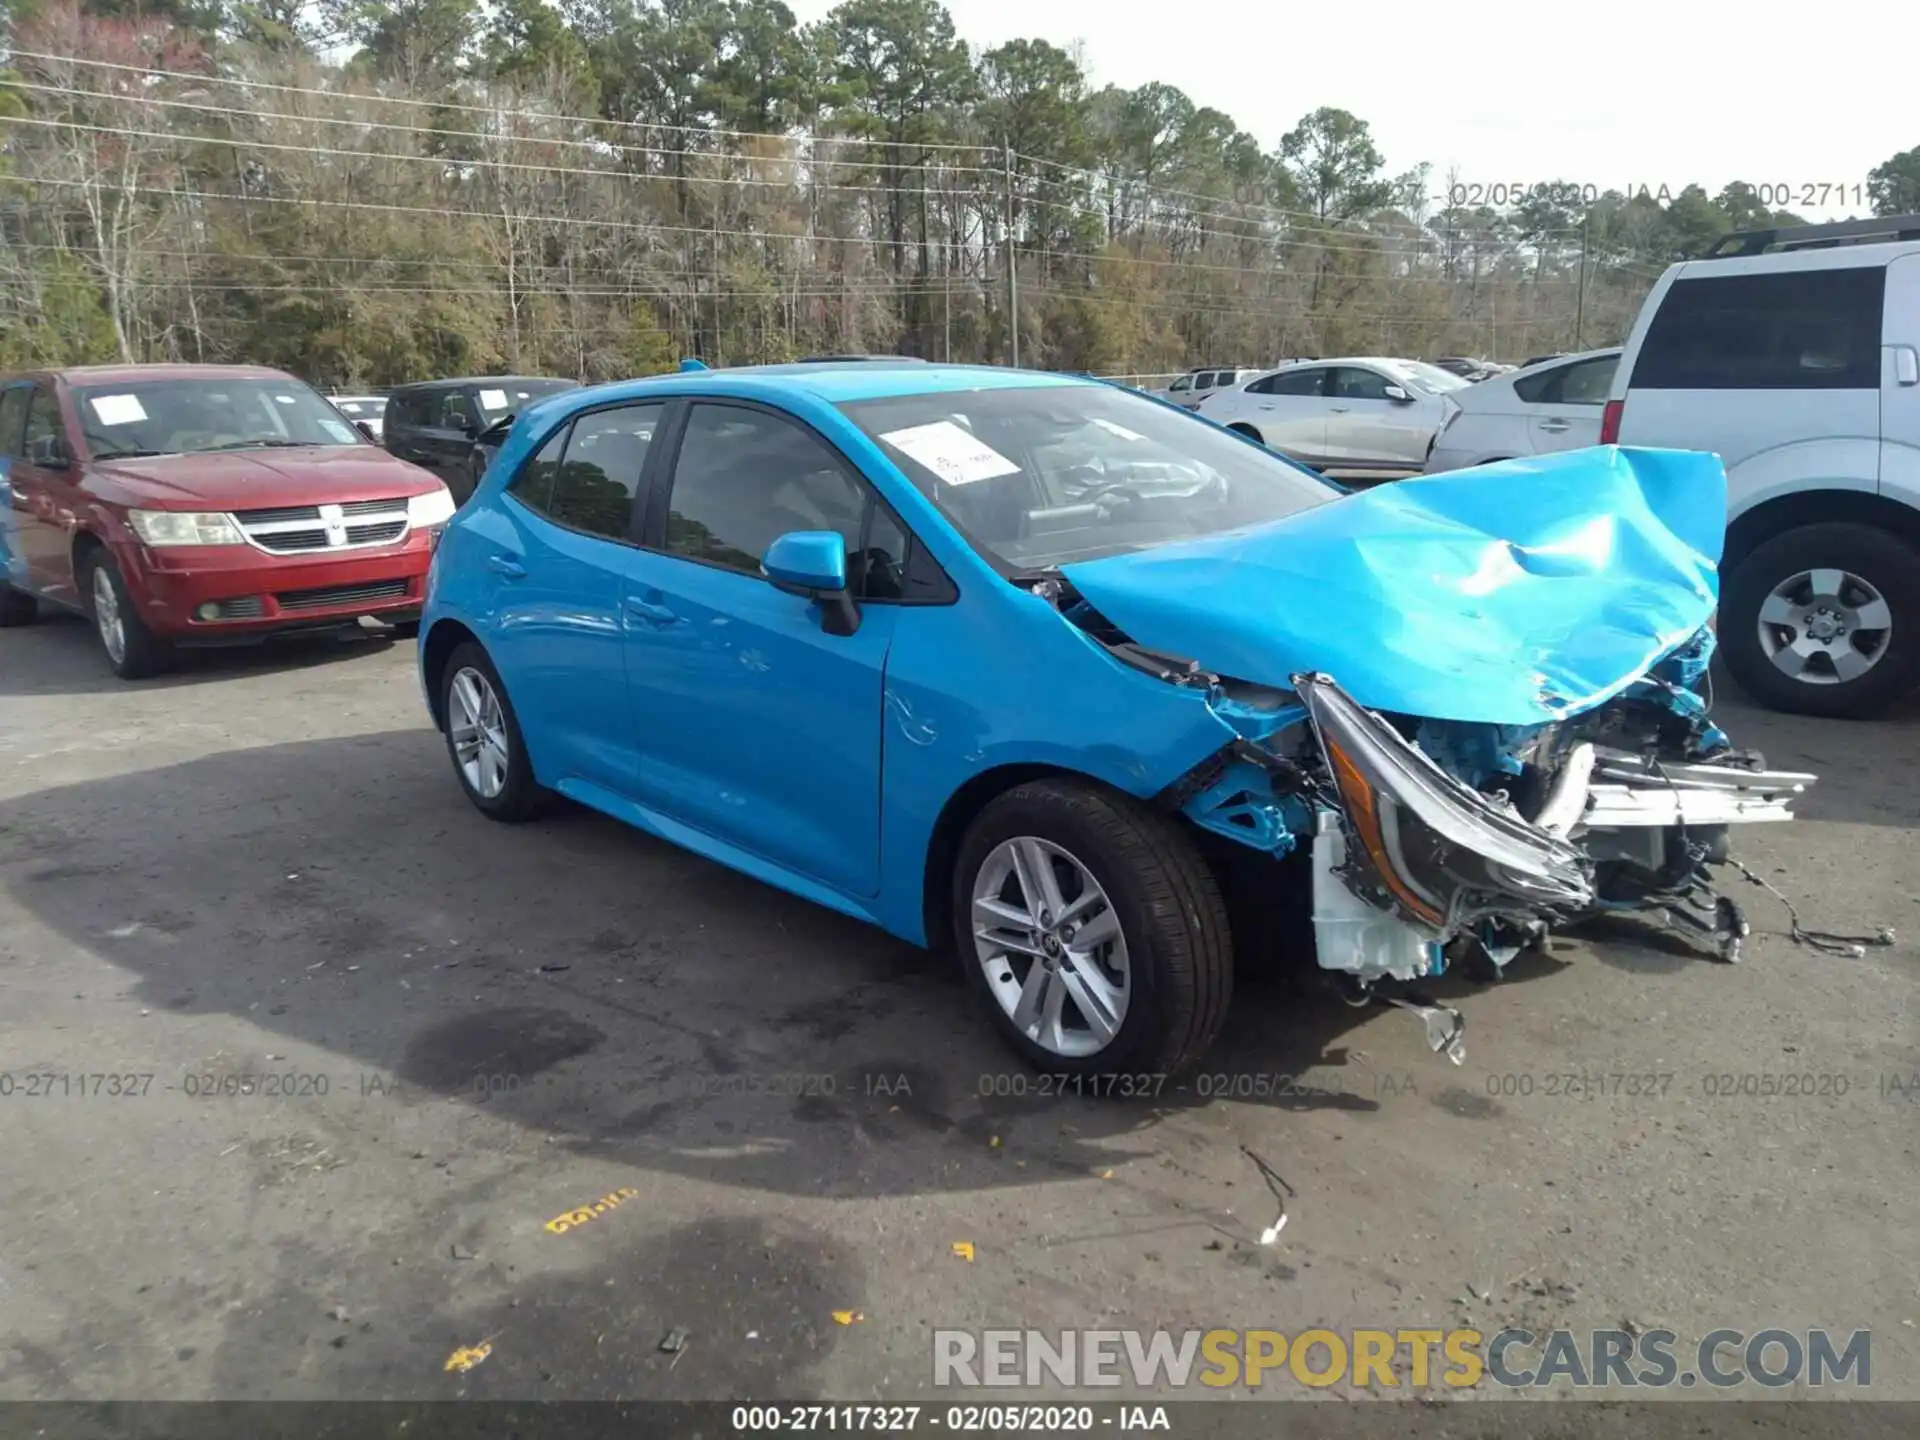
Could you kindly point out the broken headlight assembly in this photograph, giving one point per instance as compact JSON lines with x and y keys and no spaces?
{"x":1437,"y":853}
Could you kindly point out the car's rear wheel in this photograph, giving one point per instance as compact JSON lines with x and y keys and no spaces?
{"x":1093,"y":931}
{"x":484,"y":741}
{"x":1824,"y":620}
{"x":133,"y":650}
{"x":1240,"y":428}
{"x":17,"y":607}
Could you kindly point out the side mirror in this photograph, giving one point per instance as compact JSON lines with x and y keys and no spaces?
{"x":813,"y":565}
{"x":1399,"y":396}
{"x":48,"y":452}
{"x":365,"y":427}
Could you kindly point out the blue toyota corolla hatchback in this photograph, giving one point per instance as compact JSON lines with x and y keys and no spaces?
{"x":1086,"y":685}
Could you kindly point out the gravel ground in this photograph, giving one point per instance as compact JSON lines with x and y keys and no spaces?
{"x":263,"y":867}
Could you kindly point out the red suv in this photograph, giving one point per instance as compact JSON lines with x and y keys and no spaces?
{"x":203,"y":505}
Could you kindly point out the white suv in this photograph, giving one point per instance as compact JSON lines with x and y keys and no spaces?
{"x":1196,"y":385}
{"x":1794,"y":355}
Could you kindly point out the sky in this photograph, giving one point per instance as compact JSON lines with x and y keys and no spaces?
{"x":1616,"y":96}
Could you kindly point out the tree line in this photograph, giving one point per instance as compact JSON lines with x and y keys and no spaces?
{"x":368,"y":192}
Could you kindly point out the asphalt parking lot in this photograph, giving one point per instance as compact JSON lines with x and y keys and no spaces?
{"x":262,"y":867}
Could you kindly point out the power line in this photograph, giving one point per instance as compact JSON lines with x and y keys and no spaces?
{"x":155,"y":72}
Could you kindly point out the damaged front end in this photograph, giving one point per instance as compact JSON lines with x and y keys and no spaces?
{"x":1476,"y":702}
{"x":1435,"y":841}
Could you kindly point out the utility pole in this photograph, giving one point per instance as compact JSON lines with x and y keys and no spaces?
{"x":1580,"y":303}
{"x":1013,"y":278}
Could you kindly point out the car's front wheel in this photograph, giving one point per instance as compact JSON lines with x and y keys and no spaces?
{"x":1824,"y":620}
{"x":1093,"y":930}
{"x":483,"y":738}
{"x":133,"y":650}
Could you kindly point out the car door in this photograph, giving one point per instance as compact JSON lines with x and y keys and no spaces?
{"x":448,"y":440}
{"x":48,"y":475}
{"x":1364,"y":427}
{"x":1563,"y":404}
{"x":561,"y":548}
{"x":759,"y":727}
{"x":1288,"y":410}
{"x":1180,"y":392}
{"x":1900,"y":383}
{"x":13,"y":503}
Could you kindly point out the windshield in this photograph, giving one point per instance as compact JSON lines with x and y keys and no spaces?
{"x":183,"y":417}
{"x":362,"y":409}
{"x":1431,"y":378}
{"x":1042,"y":477}
{"x":506,"y":398}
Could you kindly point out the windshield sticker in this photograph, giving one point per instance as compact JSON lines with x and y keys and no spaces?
{"x":286,"y":400}
{"x":493,"y":399}
{"x":342,"y":433}
{"x":951,"y":453}
{"x":118,"y":409}
{"x":1122,"y":431}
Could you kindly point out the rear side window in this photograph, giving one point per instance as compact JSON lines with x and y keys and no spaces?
{"x":407,"y":409}
{"x":599,"y":475}
{"x":533,"y":486}
{"x":1790,"y":330}
{"x":1586,"y":383}
{"x":13,"y":418}
{"x":1296,"y":382}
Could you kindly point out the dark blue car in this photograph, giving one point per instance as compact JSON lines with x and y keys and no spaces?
{"x":1079,"y":683}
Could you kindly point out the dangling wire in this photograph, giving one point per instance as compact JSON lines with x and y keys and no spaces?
{"x":1824,"y":941}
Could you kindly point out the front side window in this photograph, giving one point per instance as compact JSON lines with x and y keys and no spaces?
{"x":1784,"y":330}
{"x":1185,"y":382}
{"x":43,"y":422}
{"x":1042,"y":476}
{"x":745,"y":477}
{"x":194,"y":416}
{"x":455,"y":412}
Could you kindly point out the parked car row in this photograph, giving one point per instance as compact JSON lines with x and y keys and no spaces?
{"x":1362,"y":413}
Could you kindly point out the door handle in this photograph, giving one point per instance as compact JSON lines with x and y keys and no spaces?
{"x":648,"y":612}
{"x":506,"y":565}
{"x":1338,"y":409}
{"x":1556,"y":426}
{"x":1906,"y":365}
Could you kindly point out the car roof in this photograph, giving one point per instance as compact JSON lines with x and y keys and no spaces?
{"x":832,"y":382}
{"x":134,"y":374}
{"x":453,"y":381}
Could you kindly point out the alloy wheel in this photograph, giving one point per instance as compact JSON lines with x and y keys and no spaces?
{"x":478,"y":729}
{"x":1049,"y":942}
{"x":106,"y":615}
{"x":1825,"y":626}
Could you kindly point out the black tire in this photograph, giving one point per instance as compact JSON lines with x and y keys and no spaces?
{"x":1165,"y":898}
{"x":142,"y":653}
{"x":17,"y":607}
{"x":1888,"y":563}
{"x":521,"y":797}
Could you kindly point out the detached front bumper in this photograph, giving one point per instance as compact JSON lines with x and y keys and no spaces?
{"x":1413,"y":859}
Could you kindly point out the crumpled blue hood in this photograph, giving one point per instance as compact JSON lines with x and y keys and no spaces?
{"x":1514,"y":593}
